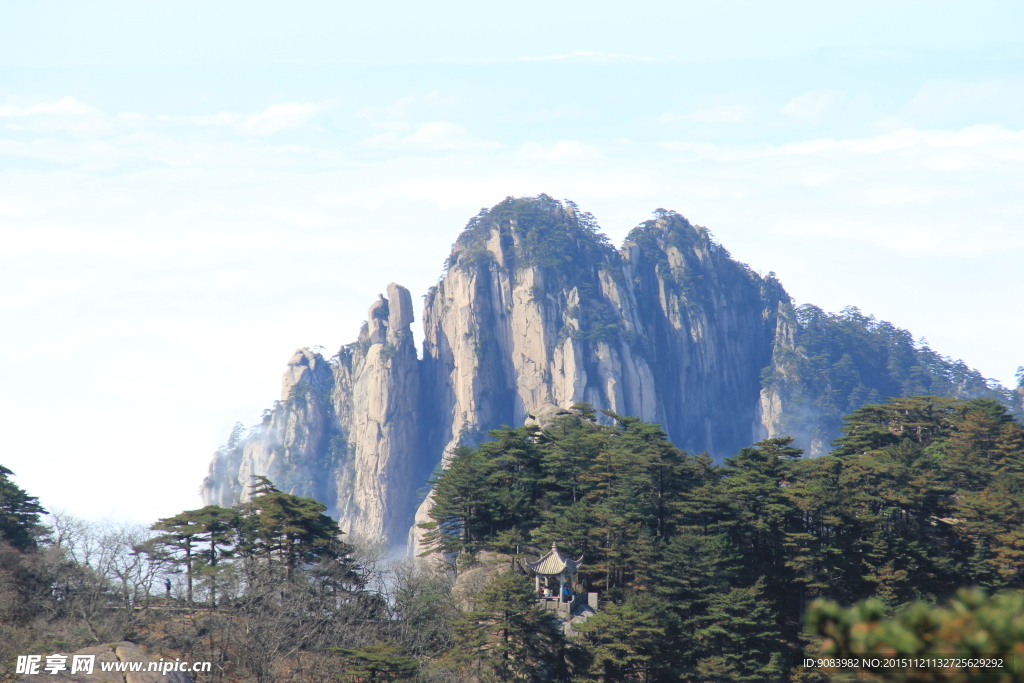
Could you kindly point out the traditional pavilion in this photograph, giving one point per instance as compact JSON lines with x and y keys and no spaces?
{"x":553,"y":564}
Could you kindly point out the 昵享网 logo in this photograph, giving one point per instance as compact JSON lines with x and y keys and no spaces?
{"x":33,"y":664}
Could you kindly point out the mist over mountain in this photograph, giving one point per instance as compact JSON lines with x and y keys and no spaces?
{"x":537,"y":308}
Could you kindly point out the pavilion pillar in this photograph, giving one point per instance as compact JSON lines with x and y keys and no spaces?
{"x":561,"y":585}
{"x":536,"y":583}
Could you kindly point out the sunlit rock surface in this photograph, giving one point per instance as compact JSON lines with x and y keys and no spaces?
{"x":536,"y":309}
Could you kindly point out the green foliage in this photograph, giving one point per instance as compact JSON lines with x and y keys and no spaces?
{"x":271,"y":594}
{"x":388,"y":352}
{"x":292,"y":528}
{"x":19,"y":513}
{"x":970,"y":626}
{"x":626,"y":641}
{"x":181,"y":534}
{"x":845,"y":360}
{"x":378,"y":662}
{"x":289,"y":529}
{"x":278,"y":528}
{"x":507,"y":636}
{"x":740,"y":639}
{"x":508,"y":469}
{"x":704,"y":571}
{"x":547,"y":233}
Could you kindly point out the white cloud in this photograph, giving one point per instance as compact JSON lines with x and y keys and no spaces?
{"x":907,"y":235}
{"x":403,"y":108}
{"x":906,"y":194}
{"x":978,"y":137}
{"x":951,"y":161}
{"x":935,"y":149}
{"x":563,"y":150}
{"x":273,"y":119}
{"x":68,"y":106}
{"x":224,"y":118}
{"x":19,"y":207}
{"x":730,"y":113}
{"x":947,"y":193}
{"x":584,"y":55}
{"x":813,"y":106}
{"x":817,"y":178}
{"x":65,"y":116}
{"x":70,"y":115}
{"x":984,"y":101}
{"x":437,"y":135}
{"x":278,"y":117}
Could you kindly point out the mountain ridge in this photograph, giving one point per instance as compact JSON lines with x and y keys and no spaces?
{"x":537,"y":307}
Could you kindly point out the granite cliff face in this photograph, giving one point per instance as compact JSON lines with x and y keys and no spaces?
{"x":669,"y":328}
{"x":536,"y":309}
{"x":346,"y":430}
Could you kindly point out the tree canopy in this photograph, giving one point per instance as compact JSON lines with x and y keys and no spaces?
{"x":19,"y":513}
{"x":705,"y":570}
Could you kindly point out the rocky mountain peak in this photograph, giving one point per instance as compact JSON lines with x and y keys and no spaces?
{"x":531,"y":231}
{"x":388,"y":320}
{"x":536,"y":311}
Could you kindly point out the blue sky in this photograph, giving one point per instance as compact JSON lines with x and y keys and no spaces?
{"x":189,"y":191}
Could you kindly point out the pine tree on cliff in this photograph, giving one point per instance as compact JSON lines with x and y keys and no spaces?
{"x":507,"y":636}
{"x":377,"y":663}
{"x":290,"y":529}
{"x":220,"y":528}
{"x":627,"y":642}
{"x":19,"y":513}
{"x":180,"y":537}
{"x":740,"y":640}
{"x":486,"y":491}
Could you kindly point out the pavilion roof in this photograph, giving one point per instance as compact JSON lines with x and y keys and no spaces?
{"x":554,"y":563}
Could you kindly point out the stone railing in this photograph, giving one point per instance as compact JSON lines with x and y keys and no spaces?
{"x":563,"y":609}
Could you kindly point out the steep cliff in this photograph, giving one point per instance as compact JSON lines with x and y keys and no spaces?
{"x":345,"y":431}
{"x":536,"y":308}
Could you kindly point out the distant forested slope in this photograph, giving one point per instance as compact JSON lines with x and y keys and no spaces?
{"x":839,"y":362}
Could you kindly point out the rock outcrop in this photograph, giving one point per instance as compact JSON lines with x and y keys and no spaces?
{"x":472,"y":580}
{"x":345,"y":432}
{"x":536,"y":308}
